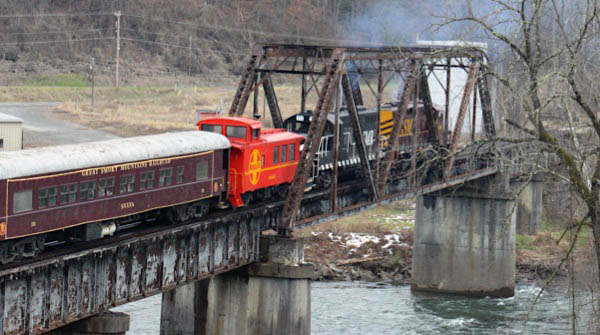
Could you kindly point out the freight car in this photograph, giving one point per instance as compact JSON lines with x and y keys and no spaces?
{"x":89,"y":190}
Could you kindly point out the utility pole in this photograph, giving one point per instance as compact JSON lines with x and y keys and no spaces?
{"x":190,"y":60}
{"x":92,"y":73}
{"x":118,"y":15}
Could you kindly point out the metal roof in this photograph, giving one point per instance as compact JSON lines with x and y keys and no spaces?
{"x":38,"y":161}
{"x":5,"y":118}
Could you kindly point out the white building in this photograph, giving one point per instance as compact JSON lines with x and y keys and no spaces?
{"x":11,"y":133}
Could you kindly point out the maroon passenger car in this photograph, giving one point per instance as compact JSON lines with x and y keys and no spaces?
{"x":99,"y":185}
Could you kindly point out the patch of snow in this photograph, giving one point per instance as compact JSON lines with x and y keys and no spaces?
{"x":357,"y":240}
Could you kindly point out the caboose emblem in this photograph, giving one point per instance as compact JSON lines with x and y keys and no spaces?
{"x":254,"y":167}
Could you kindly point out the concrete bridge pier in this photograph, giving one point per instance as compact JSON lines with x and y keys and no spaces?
{"x":271,"y":297}
{"x":529,"y":209}
{"x":109,"y":323}
{"x":464,"y":241}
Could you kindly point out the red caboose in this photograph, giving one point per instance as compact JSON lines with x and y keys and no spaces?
{"x":263,"y":161}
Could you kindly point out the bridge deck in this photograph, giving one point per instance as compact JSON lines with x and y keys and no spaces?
{"x":73,"y":283}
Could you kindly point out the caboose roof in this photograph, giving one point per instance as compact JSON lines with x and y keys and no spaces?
{"x":230,"y":120}
{"x":45,"y":160}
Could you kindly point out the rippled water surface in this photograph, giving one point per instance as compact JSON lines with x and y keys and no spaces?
{"x":365,"y":308}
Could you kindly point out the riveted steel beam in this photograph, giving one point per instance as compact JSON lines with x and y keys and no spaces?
{"x":240,"y":99}
{"x":398,"y":122}
{"x":312,"y":141}
{"x":356,"y":130}
{"x":462,"y":112}
{"x":272,"y":103}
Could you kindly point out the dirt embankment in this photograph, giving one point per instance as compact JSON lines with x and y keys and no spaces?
{"x":360,"y":256}
{"x":387,"y":257}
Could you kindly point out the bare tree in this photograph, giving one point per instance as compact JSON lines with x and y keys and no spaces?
{"x":549,"y":80}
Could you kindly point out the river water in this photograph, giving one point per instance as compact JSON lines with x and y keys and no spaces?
{"x":365,"y":308}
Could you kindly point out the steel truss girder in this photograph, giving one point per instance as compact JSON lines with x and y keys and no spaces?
{"x":425,"y":96}
{"x":398,"y":122}
{"x":242,"y":93}
{"x":464,"y":104}
{"x":312,"y":141}
{"x":355,"y":122}
{"x":273,"y":104}
{"x":486,"y":105}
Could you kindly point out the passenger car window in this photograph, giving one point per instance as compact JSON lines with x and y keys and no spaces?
{"x":87,"y":190}
{"x":22,"y":201}
{"x":214,"y":128}
{"x":68,"y":193}
{"x":275,"y":155}
{"x":165,"y":177}
{"x":180,"y":170}
{"x":126,"y":183}
{"x":202,"y":170}
{"x":47,"y":197}
{"x":146,"y":180}
{"x":236,"y":131}
{"x":106,"y":187}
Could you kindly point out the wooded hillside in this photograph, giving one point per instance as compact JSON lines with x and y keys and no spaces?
{"x":189,"y":36}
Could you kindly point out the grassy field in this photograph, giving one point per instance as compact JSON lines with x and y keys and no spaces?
{"x":153,"y":107}
{"x":385,"y":219}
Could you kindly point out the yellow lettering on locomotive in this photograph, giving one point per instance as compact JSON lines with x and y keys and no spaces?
{"x":2,"y":228}
{"x":127,"y":205}
{"x":254,"y":167}
{"x":406,"y":128}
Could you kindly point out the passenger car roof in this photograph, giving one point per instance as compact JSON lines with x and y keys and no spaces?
{"x":45,"y":160}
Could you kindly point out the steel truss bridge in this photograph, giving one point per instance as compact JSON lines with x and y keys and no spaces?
{"x":72,"y":282}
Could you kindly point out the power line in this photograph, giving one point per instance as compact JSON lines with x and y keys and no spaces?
{"x":55,"y":32}
{"x":11,"y":16}
{"x":59,"y":41}
{"x":178,"y":46}
{"x":168,"y":35}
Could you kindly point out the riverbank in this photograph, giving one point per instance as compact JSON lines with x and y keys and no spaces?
{"x":376,"y":246}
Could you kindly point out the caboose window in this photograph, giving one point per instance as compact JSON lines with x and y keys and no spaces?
{"x":283,"y":153}
{"x":236,"y":131}
{"x":22,"y":201}
{"x":47,"y":197}
{"x":126,"y":183}
{"x":106,"y":187}
{"x":68,"y":193}
{"x":165,"y":177}
{"x":202,"y":170}
{"x":213,"y":128}
{"x":87,"y":190}
{"x":146,"y":180}
{"x":275,"y":155}
{"x":292,"y":152}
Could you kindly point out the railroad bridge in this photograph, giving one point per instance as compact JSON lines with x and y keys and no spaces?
{"x":242,"y":271}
